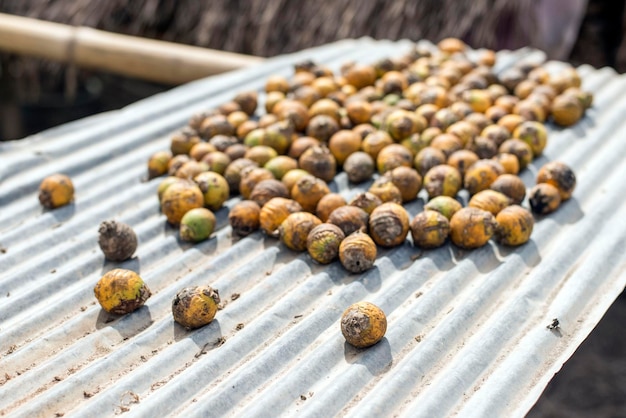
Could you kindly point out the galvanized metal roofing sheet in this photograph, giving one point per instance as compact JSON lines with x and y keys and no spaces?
{"x":466,"y":331}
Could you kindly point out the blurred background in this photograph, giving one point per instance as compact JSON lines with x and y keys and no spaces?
{"x":36,"y":94}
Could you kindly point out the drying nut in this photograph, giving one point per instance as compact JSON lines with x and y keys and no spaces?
{"x":197,"y":225}
{"x":179,"y":198}
{"x":560,"y":176}
{"x":121,"y":291}
{"x":244,"y":217}
{"x":363,"y":324}
{"x":544,"y":198}
{"x":429,"y":229}
{"x":323,"y":242}
{"x":515,"y":224}
{"x":472,"y":228}
{"x":117,"y":240}
{"x":195,"y":306}
{"x":295,"y":229}
{"x":389,"y":224}
{"x":56,"y":190}
{"x":357,"y":252}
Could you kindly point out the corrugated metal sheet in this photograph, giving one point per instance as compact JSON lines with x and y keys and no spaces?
{"x":467,"y":330}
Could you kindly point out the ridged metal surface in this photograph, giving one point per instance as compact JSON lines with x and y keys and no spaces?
{"x":466,"y":329}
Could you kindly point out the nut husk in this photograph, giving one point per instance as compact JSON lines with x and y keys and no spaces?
{"x":268,"y":189}
{"x":349,"y":219}
{"x":471,"y":227}
{"x":357,"y":252}
{"x":179,"y":198}
{"x":121,"y":291}
{"x":195,"y":306}
{"x":429,"y":229}
{"x":442,"y":180}
{"x":359,"y":167}
{"x":117,"y":240}
{"x":328,"y":204}
{"x":363,"y":324}
{"x":560,"y":175}
{"x":244,"y":217}
{"x":544,"y":198}
{"x":489,"y":200}
{"x":389,"y":224}
{"x":515,"y":224}
{"x":55,"y":191}
{"x":295,"y":229}
{"x":323,"y":242}
{"x":308,"y":191}
{"x":274,"y":212}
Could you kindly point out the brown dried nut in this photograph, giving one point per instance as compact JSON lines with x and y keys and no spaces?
{"x":255,"y":137}
{"x":566,"y":110}
{"x":481,"y":174}
{"x":295,"y":229}
{"x":200,"y":150}
{"x":328,"y":204}
{"x":428,"y":158}
{"x":506,"y":102}
{"x":359,"y":167}
{"x":117,"y":240}
{"x":447,"y":143}
{"x":444,"y":118}
{"x":471,"y":227}
{"x":232,"y":173}
{"x":308,"y":191}
{"x":246,"y":127}
{"x":244,"y":217}
{"x":195,"y":306}
{"x":322,"y":127}
{"x":222,"y":142}
{"x":462,"y":160}
{"x":544,"y":198}
{"x":360,"y":75}
{"x":451,"y":45}
{"x":479,"y":120}
{"x":393,"y":82}
{"x":389,"y":224}
{"x":268,"y":119}
{"x":429,"y":229}
{"x":157,"y":163}
{"x":280,"y":165}
{"x":177,"y":162}
{"x":121,"y":291}
{"x":214,"y":188}
{"x":274,"y":212}
{"x":400,"y":123}
{"x":191,"y":169}
{"x":489,"y":200}
{"x":319,"y":162}
{"x":359,"y":111}
{"x":520,"y":149}
{"x":323,"y":243}
{"x":509,"y":162}
{"x":291,"y":177}
{"x":427,"y":111}
{"x":56,"y":190}
{"x":510,"y":122}
{"x":261,"y":154}
{"x":463,"y":130}
{"x":443,"y":180}
{"x":293,"y":111}
{"x":495,"y":113}
{"x":515,"y":224}
{"x":196,"y":119}
{"x":560,"y":176}
{"x":272,"y":99}
{"x":498,"y":134}
{"x":237,"y":118}
{"x":268,"y":189}
{"x":326,"y":107}
{"x":179,"y":198}
{"x":511,"y":186}
{"x":251,"y":177}
{"x":217,"y":161}
{"x":484,"y":147}
{"x":229,"y":108}
{"x":182,"y":141}
{"x":366,"y":201}
{"x":349,"y":219}
{"x":363,"y":324}
{"x":393,"y":156}
{"x":414,"y":144}
{"x":376,"y":141}
{"x":216,"y":125}
{"x":445,"y":205}
{"x":584,"y":97}
{"x":357,"y":252}
{"x":407,"y":180}
{"x":276,"y":83}
{"x":301,"y":144}
{"x":511,"y":77}
{"x":534,"y":134}
{"x":247,"y":101}
{"x":364,"y":129}
{"x":236,"y":151}
{"x":344,"y":143}
{"x":384,"y":188}
{"x":461,"y":109}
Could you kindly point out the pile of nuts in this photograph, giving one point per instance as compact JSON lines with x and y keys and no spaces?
{"x":433,"y":119}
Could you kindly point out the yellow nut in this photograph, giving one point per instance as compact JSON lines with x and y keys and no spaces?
{"x":363,"y":324}
{"x":121,"y":291}
{"x":195,"y":306}
{"x":56,"y":190}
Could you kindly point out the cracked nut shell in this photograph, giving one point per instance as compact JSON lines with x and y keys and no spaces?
{"x":363,"y":324}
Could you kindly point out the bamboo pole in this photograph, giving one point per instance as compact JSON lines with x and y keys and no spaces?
{"x":160,"y":61}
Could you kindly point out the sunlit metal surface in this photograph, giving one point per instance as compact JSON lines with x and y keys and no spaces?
{"x":467,"y":331}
